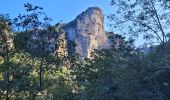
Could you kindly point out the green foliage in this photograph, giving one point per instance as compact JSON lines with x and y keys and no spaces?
{"x":124,"y":74}
{"x":110,"y":74}
{"x":119,"y":73}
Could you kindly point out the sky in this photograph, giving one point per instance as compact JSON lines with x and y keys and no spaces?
{"x":58,"y":10}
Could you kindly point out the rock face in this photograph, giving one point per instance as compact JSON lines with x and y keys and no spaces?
{"x":80,"y":36}
{"x":87,"y":32}
{"x":61,"y":48}
{"x":6,"y":37}
{"x":51,"y":42}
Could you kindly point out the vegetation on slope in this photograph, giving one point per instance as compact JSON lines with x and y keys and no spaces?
{"x":117,"y":73}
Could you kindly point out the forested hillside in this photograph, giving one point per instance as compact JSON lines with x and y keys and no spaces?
{"x":36,"y":64}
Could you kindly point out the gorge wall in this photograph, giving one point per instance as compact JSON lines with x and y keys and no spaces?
{"x":87,"y":32}
{"x":80,"y":36}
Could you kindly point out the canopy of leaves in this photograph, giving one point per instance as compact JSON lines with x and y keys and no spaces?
{"x":149,"y":18}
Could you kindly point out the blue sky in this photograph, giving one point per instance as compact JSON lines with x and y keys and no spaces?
{"x":65,"y":10}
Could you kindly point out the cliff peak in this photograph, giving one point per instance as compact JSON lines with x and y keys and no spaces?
{"x":90,"y":11}
{"x":87,"y":31}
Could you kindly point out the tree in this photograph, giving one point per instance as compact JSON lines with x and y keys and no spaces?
{"x":157,"y":78}
{"x":5,"y":52}
{"x":110,"y":74}
{"x":148,"y":17}
{"x":34,"y":38}
{"x":31,"y":24}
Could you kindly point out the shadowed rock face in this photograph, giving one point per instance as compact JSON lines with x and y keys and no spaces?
{"x":87,"y":31}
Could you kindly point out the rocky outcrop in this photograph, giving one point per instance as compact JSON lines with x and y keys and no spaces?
{"x":80,"y":36}
{"x":53,"y":41}
{"x":87,"y":31}
{"x":61,"y":45}
{"x":6,"y":37}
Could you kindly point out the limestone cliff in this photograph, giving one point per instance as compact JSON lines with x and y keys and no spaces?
{"x":87,"y":31}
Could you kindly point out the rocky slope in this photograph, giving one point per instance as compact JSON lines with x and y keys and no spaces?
{"x":87,"y":32}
